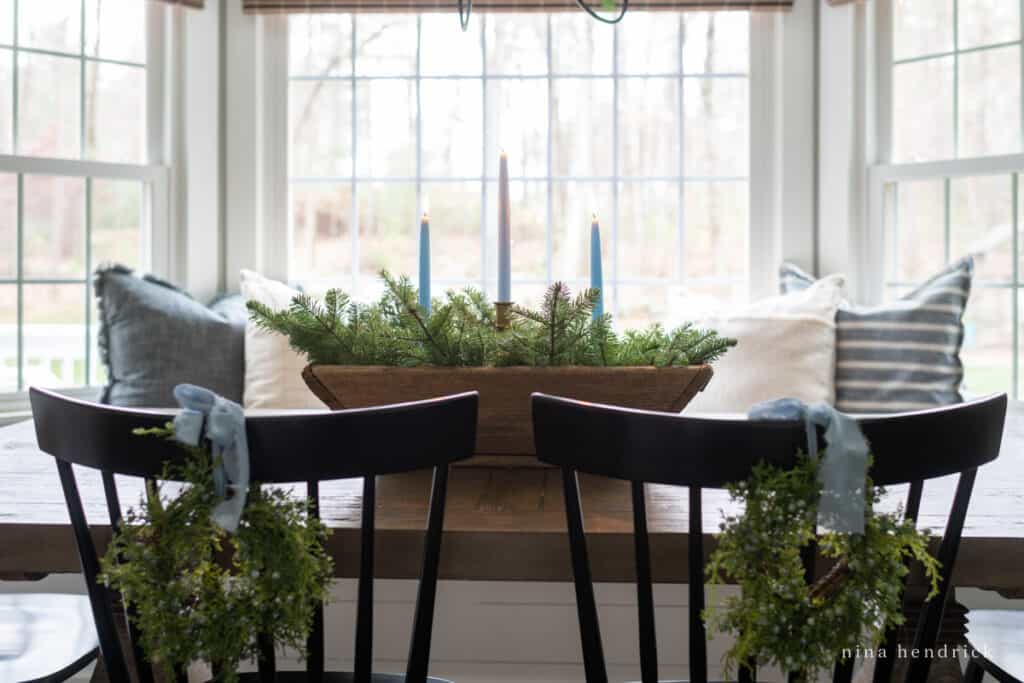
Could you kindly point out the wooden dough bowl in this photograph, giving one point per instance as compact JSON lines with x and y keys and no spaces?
{"x":504,"y":430}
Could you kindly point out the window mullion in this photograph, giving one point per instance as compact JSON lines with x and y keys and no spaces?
{"x":956,"y":91}
{"x":21,"y":280}
{"x":81,"y":84}
{"x":615,"y":173}
{"x":14,"y":84}
{"x":88,"y":282}
{"x":354,"y":185}
{"x":550,"y":219}
{"x":1015,"y":291}
{"x":681,"y":128}
{"x":485,"y":129}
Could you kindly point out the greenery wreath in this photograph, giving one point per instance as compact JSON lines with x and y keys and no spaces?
{"x":778,"y":618}
{"x":190,"y":603}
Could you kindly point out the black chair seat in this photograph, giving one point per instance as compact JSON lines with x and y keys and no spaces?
{"x":998,"y":638}
{"x":45,"y":637}
{"x":332,"y":677}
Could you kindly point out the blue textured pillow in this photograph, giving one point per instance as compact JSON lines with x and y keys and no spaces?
{"x":153,"y":336}
{"x":902,"y":355}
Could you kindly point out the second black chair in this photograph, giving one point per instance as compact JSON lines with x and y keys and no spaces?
{"x":698,"y":453}
{"x":306,"y":448}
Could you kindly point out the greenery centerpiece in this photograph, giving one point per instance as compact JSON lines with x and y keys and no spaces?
{"x":198,"y":593}
{"x":778,"y":618}
{"x":394,"y":350}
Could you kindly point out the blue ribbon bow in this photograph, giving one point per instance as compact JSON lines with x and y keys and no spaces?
{"x":842,"y":471}
{"x":225,"y":428}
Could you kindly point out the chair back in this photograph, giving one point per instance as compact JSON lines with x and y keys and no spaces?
{"x":289,"y":448}
{"x":702,"y":452}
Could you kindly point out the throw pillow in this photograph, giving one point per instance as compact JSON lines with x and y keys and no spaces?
{"x":153,"y":336}
{"x":273,"y":370}
{"x":901,"y":355}
{"x":786,"y":348}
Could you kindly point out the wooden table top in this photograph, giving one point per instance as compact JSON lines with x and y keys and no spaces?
{"x":507,"y":523}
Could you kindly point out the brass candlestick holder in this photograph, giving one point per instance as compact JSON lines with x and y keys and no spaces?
{"x":501,"y":315}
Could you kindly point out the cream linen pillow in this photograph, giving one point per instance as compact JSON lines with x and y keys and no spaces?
{"x":786,"y":348}
{"x":273,"y":371}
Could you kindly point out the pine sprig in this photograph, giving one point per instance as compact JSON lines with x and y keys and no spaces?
{"x":460,"y":332}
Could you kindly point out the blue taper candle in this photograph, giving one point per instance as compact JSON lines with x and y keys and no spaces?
{"x":596,"y":276}
{"x":424,"y":301}
{"x":504,"y":234}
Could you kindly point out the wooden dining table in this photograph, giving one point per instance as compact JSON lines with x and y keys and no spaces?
{"x":507,"y":523}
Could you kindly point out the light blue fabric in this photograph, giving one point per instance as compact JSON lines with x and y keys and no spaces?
{"x":225,"y":428}
{"x":842,"y":471}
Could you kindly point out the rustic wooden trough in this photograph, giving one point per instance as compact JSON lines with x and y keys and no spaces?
{"x":504,"y":428}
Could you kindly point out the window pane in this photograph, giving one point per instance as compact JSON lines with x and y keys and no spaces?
{"x":320,"y":118}
{"x":916,"y":230}
{"x":385,"y":44}
{"x":48,"y":106}
{"x":517,"y":112}
{"x":990,"y":115}
{"x":389,"y":230}
{"x":716,"y":230}
{"x":649,"y":44}
{"x":716,"y":42}
{"x":922,"y":27}
{"x":717,"y":126}
{"x":923,"y":110}
{"x":320,"y":44}
{"x":117,"y":222}
{"x":387,"y":128}
{"x":984,"y":22}
{"x":981,"y":223}
{"x":321,"y":233}
{"x":8,"y":225}
{"x":517,"y":44}
{"x":455,"y":230}
{"x":988,"y":341}
{"x":452,"y":128}
{"x":54,"y":335}
{"x":115,"y":29}
{"x":529,"y":230}
{"x":115,"y":112}
{"x":54,"y":227}
{"x":580,"y":45}
{"x":51,"y":25}
{"x":573,"y":205}
{"x":649,"y":127}
{"x":8,"y":338}
{"x":642,"y":305}
{"x":6,"y":22}
{"x":6,"y":101}
{"x":581,"y":140}
{"x":447,"y":50}
{"x":648,"y":230}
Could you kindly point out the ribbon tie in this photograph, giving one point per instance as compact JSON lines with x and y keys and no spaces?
{"x":842,"y":471}
{"x":225,"y":429}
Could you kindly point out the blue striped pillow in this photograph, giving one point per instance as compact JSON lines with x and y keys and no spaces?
{"x":901,"y":355}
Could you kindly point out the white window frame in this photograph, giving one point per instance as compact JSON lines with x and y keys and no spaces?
{"x":780,"y":179}
{"x":874,"y":278}
{"x":157,"y":242}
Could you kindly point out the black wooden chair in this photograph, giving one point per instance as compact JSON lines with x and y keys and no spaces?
{"x":698,"y":453}
{"x":306,"y":448}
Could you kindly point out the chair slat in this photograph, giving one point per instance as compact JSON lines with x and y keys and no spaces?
{"x":142,"y":667}
{"x":315,"y":642}
{"x":586,"y":605}
{"x":423,"y":621}
{"x":884,"y":665}
{"x":644,"y":588}
{"x":364,"y":610}
{"x":931,"y":618}
{"x":267,"y":664}
{"x":99,"y":596}
{"x":698,"y":635}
